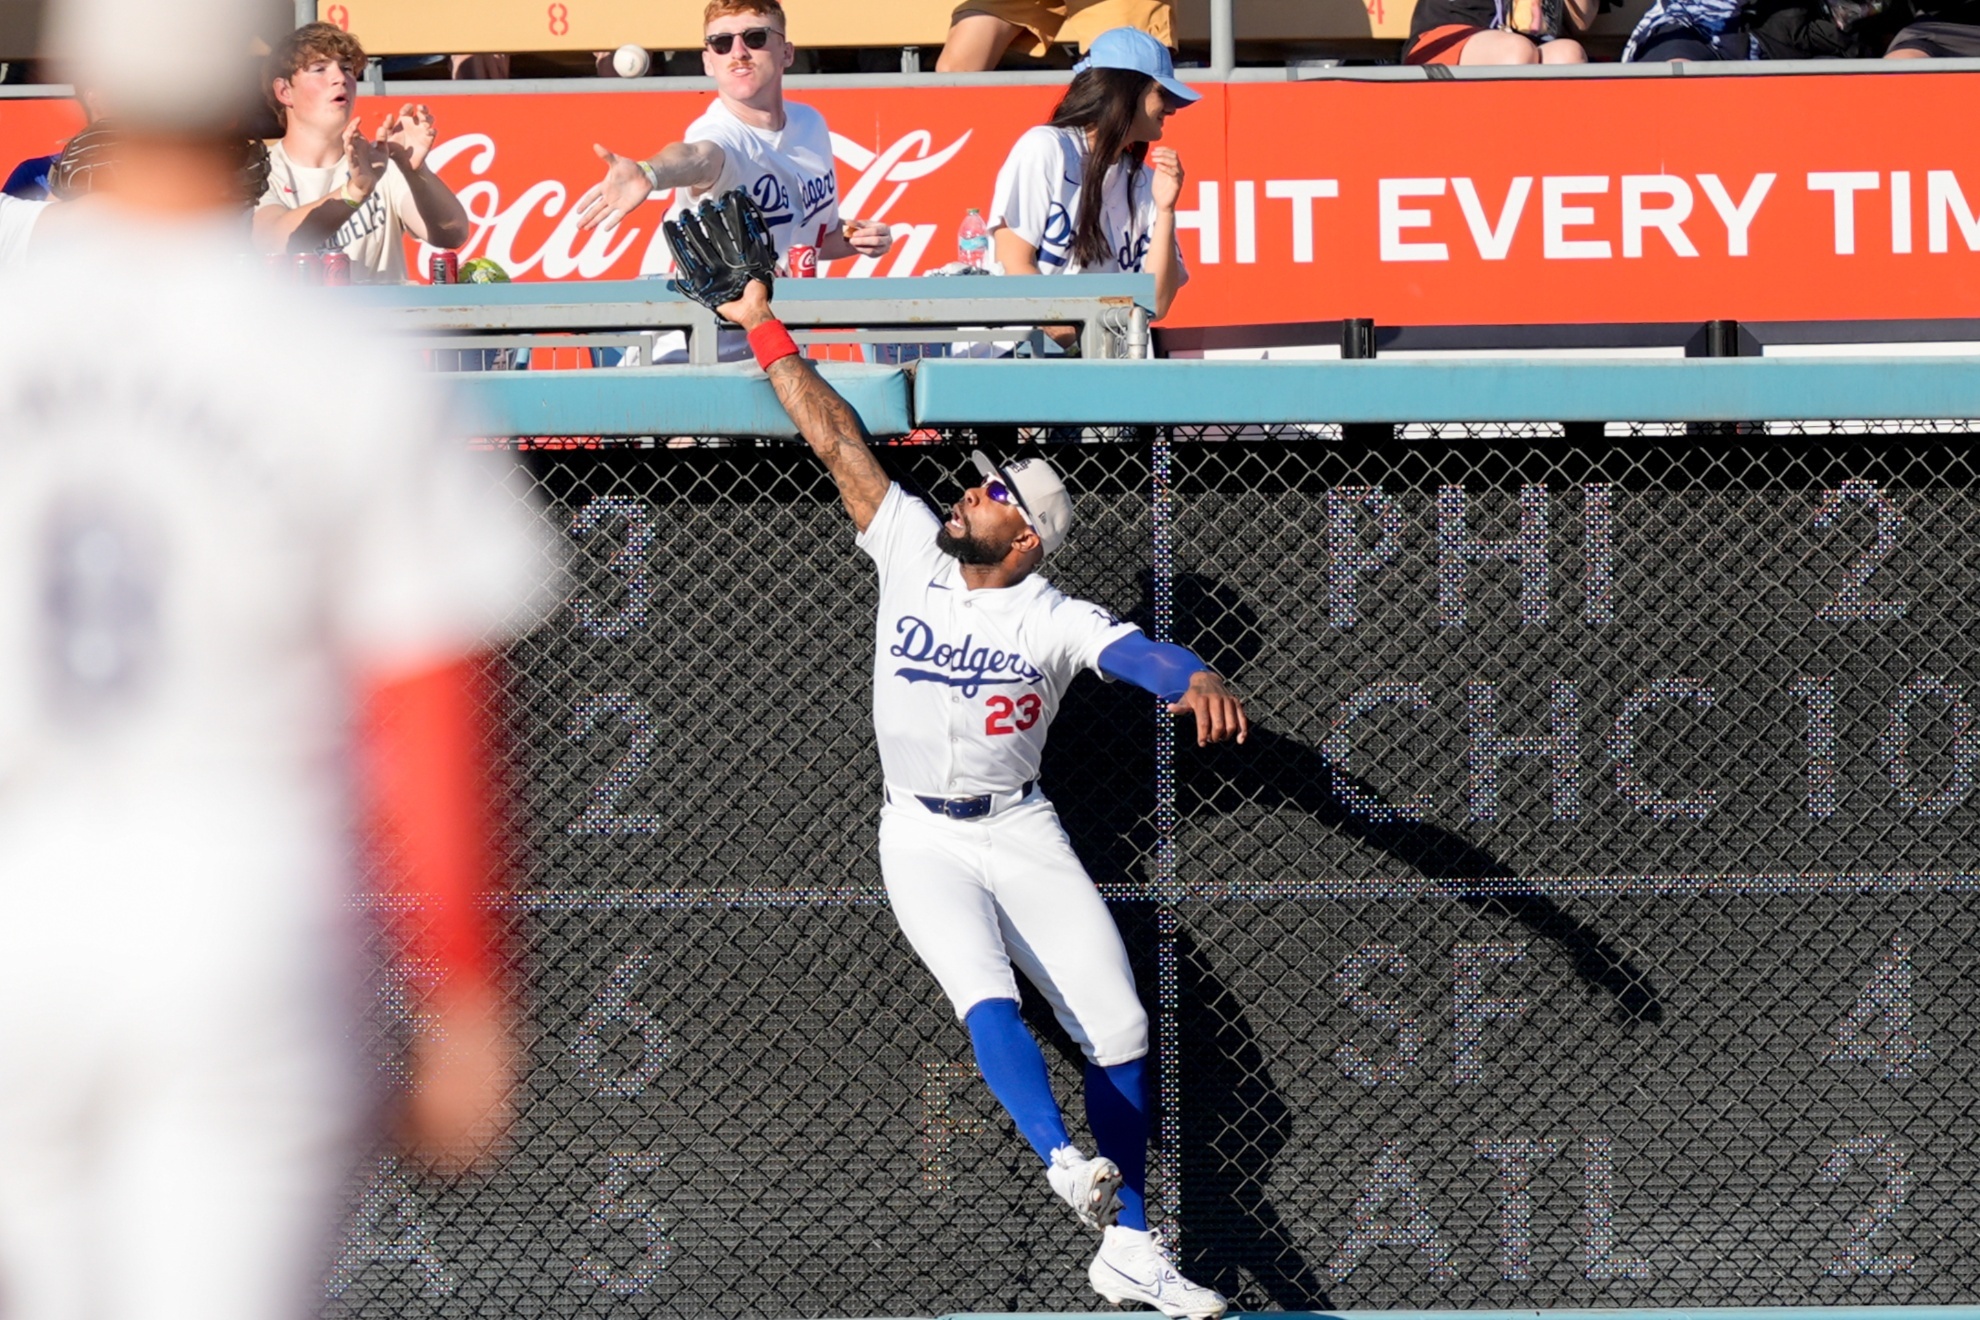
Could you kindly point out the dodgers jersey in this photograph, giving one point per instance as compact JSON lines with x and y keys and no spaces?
{"x":1037,"y":198}
{"x":790,"y":172}
{"x":209,"y":541}
{"x":966,"y":682}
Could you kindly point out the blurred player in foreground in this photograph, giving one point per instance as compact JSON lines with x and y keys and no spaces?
{"x":205,"y":591}
{"x":973,"y":651}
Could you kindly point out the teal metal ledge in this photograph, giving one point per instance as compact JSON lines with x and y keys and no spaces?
{"x":730,"y":400}
{"x":1620,"y":1313}
{"x":1584,"y":390}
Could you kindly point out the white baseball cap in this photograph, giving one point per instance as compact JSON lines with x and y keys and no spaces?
{"x":1041,"y":496}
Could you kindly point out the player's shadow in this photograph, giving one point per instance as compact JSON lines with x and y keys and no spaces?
{"x":1102,"y":779}
{"x":1272,"y":770}
{"x":1099,"y":768}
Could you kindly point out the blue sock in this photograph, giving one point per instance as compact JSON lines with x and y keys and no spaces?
{"x":1117,"y":1111}
{"x":1015,"y":1070}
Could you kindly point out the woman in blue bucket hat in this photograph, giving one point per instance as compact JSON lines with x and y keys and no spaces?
{"x":1044,"y":220}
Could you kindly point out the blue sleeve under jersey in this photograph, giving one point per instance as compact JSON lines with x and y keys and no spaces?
{"x":1159,"y":667}
{"x":29,"y":181}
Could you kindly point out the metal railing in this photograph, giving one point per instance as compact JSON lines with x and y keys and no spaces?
{"x":1112,"y":312}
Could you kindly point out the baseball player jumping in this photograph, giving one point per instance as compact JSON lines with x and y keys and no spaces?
{"x":973,"y":652}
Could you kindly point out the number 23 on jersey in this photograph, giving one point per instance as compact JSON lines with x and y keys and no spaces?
{"x":1008,"y":716}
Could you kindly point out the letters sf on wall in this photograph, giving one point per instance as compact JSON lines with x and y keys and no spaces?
{"x":1590,"y":200}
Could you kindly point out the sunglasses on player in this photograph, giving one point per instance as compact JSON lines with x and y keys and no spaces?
{"x":1001,"y":493}
{"x":754,"y":38}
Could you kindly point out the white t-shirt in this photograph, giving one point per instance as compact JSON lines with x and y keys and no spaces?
{"x":790,"y":172}
{"x":374,"y":236}
{"x":1037,"y":199}
{"x":18,"y":216}
{"x":966,"y":683}
{"x":209,"y":541}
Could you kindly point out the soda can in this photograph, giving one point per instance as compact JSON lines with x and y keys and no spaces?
{"x":445,"y":268}
{"x":308,"y":267}
{"x":803,"y":261}
{"x":336,"y":268}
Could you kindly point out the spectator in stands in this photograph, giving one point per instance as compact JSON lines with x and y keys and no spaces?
{"x":1680,"y":30}
{"x":1942,"y":29}
{"x":982,"y":31}
{"x":779,"y":151}
{"x":329,"y":187}
{"x":1045,"y":220}
{"x":1499,"y":31}
{"x":29,"y":179}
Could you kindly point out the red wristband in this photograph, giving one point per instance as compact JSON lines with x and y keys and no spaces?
{"x":771,"y":343}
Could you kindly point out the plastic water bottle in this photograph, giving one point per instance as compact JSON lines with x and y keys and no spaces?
{"x":973,"y":241}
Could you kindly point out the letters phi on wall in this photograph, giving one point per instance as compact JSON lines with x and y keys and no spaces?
{"x":1625,"y":199}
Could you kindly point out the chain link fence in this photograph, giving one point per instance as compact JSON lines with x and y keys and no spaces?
{"x":1589,"y":920}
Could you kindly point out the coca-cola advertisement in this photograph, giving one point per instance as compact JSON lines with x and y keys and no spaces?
{"x":1646,"y":199}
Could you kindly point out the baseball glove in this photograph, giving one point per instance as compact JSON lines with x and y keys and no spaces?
{"x":253,"y":170}
{"x":719,"y":247}
{"x":93,"y":149}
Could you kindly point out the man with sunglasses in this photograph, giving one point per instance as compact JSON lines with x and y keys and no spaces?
{"x":777,"y":151}
{"x":973,"y":651}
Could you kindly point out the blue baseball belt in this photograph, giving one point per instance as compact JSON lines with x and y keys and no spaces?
{"x":968,"y":808}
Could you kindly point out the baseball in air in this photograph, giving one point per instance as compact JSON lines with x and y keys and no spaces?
{"x":631,"y":61}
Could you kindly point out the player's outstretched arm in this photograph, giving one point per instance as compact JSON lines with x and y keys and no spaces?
{"x":825,"y":420}
{"x":1175,"y":674}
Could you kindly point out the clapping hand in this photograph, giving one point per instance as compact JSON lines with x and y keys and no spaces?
{"x":364,"y":161}
{"x":407,"y":136}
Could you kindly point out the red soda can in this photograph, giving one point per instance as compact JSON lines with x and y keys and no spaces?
{"x":336,"y":268}
{"x":445,"y":268}
{"x":803,"y":261}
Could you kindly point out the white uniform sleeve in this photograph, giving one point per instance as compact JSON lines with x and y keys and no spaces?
{"x":18,"y":218}
{"x":444,"y":552}
{"x":901,"y":536}
{"x":1027,"y":186}
{"x":733,"y":139}
{"x":1081,"y":630}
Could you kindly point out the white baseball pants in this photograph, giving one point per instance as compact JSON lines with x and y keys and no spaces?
{"x":975,"y":896}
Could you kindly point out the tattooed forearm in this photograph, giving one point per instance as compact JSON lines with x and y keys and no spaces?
{"x":832,"y":429}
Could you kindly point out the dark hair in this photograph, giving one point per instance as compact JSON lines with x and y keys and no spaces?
{"x":1106,"y":101}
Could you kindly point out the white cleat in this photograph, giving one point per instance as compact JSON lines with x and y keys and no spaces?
{"x":1132,"y":1267}
{"x":1090,"y":1187}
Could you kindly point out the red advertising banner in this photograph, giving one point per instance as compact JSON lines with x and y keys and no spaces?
{"x":1791,"y":197}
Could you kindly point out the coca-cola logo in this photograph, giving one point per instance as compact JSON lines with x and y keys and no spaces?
{"x":467,"y":163}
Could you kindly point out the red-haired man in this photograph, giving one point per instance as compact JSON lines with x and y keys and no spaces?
{"x":777,"y":151}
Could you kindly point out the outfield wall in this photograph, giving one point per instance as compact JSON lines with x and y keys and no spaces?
{"x":1590,"y":920}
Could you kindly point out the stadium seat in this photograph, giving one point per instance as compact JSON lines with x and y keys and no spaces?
{"x":404,"y":27}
